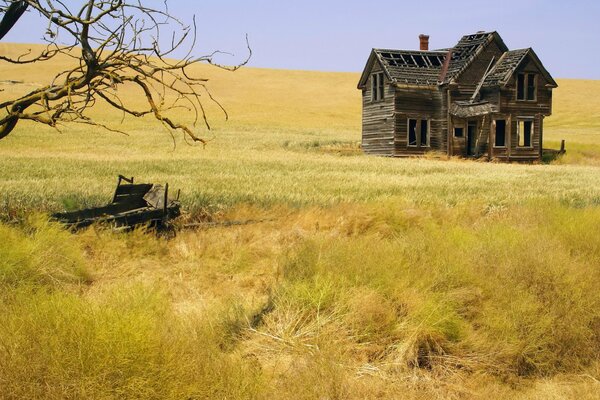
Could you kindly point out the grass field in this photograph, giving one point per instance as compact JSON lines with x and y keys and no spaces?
{"x":368,"y":277}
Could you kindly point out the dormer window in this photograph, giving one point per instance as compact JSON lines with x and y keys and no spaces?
{"x":526,"y":86}
{"x":377,"y":92}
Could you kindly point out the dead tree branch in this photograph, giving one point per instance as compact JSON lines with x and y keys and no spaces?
{"x":121,"y":43}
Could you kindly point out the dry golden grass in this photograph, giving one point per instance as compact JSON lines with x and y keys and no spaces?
{"x":283,"y":144}
{"x":368,"y":278}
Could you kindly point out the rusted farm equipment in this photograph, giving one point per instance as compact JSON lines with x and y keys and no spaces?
{"x":142,"y":204}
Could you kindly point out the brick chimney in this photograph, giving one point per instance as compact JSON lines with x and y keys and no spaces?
{"x":424,"y":42}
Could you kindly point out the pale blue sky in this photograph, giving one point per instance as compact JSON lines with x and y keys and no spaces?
{"x":337,"y":35}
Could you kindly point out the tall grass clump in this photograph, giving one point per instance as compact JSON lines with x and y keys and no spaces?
{"x":63,"y":338}
{"x":40,"y":253}
{"x":126,"y":343}
{"x":502,"y":291}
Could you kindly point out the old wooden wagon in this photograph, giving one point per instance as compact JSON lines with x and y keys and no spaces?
{"x":132,"y":205}
{"x":476,"y":99}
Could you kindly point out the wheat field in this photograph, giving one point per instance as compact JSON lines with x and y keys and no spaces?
{"x":360,"y":277}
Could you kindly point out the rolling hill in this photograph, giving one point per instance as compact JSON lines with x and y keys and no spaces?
{"x":345,"y":276}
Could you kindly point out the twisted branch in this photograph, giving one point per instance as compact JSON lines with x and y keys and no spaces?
{"x":120,"y":42}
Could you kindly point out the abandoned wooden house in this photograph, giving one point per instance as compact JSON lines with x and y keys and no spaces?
{"x":477,"y":99}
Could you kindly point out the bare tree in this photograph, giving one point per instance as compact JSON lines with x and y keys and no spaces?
{"x":121,"y":42}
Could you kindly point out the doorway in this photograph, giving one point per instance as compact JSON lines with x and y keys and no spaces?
{"x":471,"y":138}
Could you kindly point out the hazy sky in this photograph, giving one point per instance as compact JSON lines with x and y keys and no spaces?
{"x":336,"y":35}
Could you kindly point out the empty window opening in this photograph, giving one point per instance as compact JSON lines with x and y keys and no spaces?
{"x":412,"y":132}
{"x":500,"y":140}
{"x":459,"y":131}
{"x":418,"y":132}
{"x":521,"y":87}
{"x":526,"y":87}
{"x":377,"y":86}
{"x":530,"y":87}
{"x":424,"y":132}
{"x":525,"y":132}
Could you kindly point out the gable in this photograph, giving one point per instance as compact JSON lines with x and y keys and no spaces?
{"x":373,"y":65}
{"x":513,"y":62}
{"x":531,"y":63}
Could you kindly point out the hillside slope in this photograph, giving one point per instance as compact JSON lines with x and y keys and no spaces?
{"x":308,"y":99}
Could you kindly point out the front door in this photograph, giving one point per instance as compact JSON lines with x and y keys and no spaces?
{"x":471,"y":138}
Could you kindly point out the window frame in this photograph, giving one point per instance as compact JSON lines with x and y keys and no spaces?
{"x":535,"y":86}
{"x":531,"y":134}
{"x":420,"y":135}
{"x":462,"y":127}
{"x":377,"y":87}
{"x":505,"y":133}
{"x":418,"y":125}
{"x":526,"y":76}
{"x":417,"y":130}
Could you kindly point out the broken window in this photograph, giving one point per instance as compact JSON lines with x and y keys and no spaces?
{"x":526,"y":87}
{"x":418,"y":132}
{"x":424,"y":132}
{"x":377,"y":86}
{"x":458,"y":131}
{"x":500,"y":140}
{"x":525,"y":132}
{"x":412,"y":132}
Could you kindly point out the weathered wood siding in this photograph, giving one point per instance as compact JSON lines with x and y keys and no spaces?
{"x":536,"y":109}
{"x":420,"y":104}
{"x":378,"y":118}
{"x":481,"y":138}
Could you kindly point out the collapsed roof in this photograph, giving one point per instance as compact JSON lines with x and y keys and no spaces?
{"x":465,"y":51}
